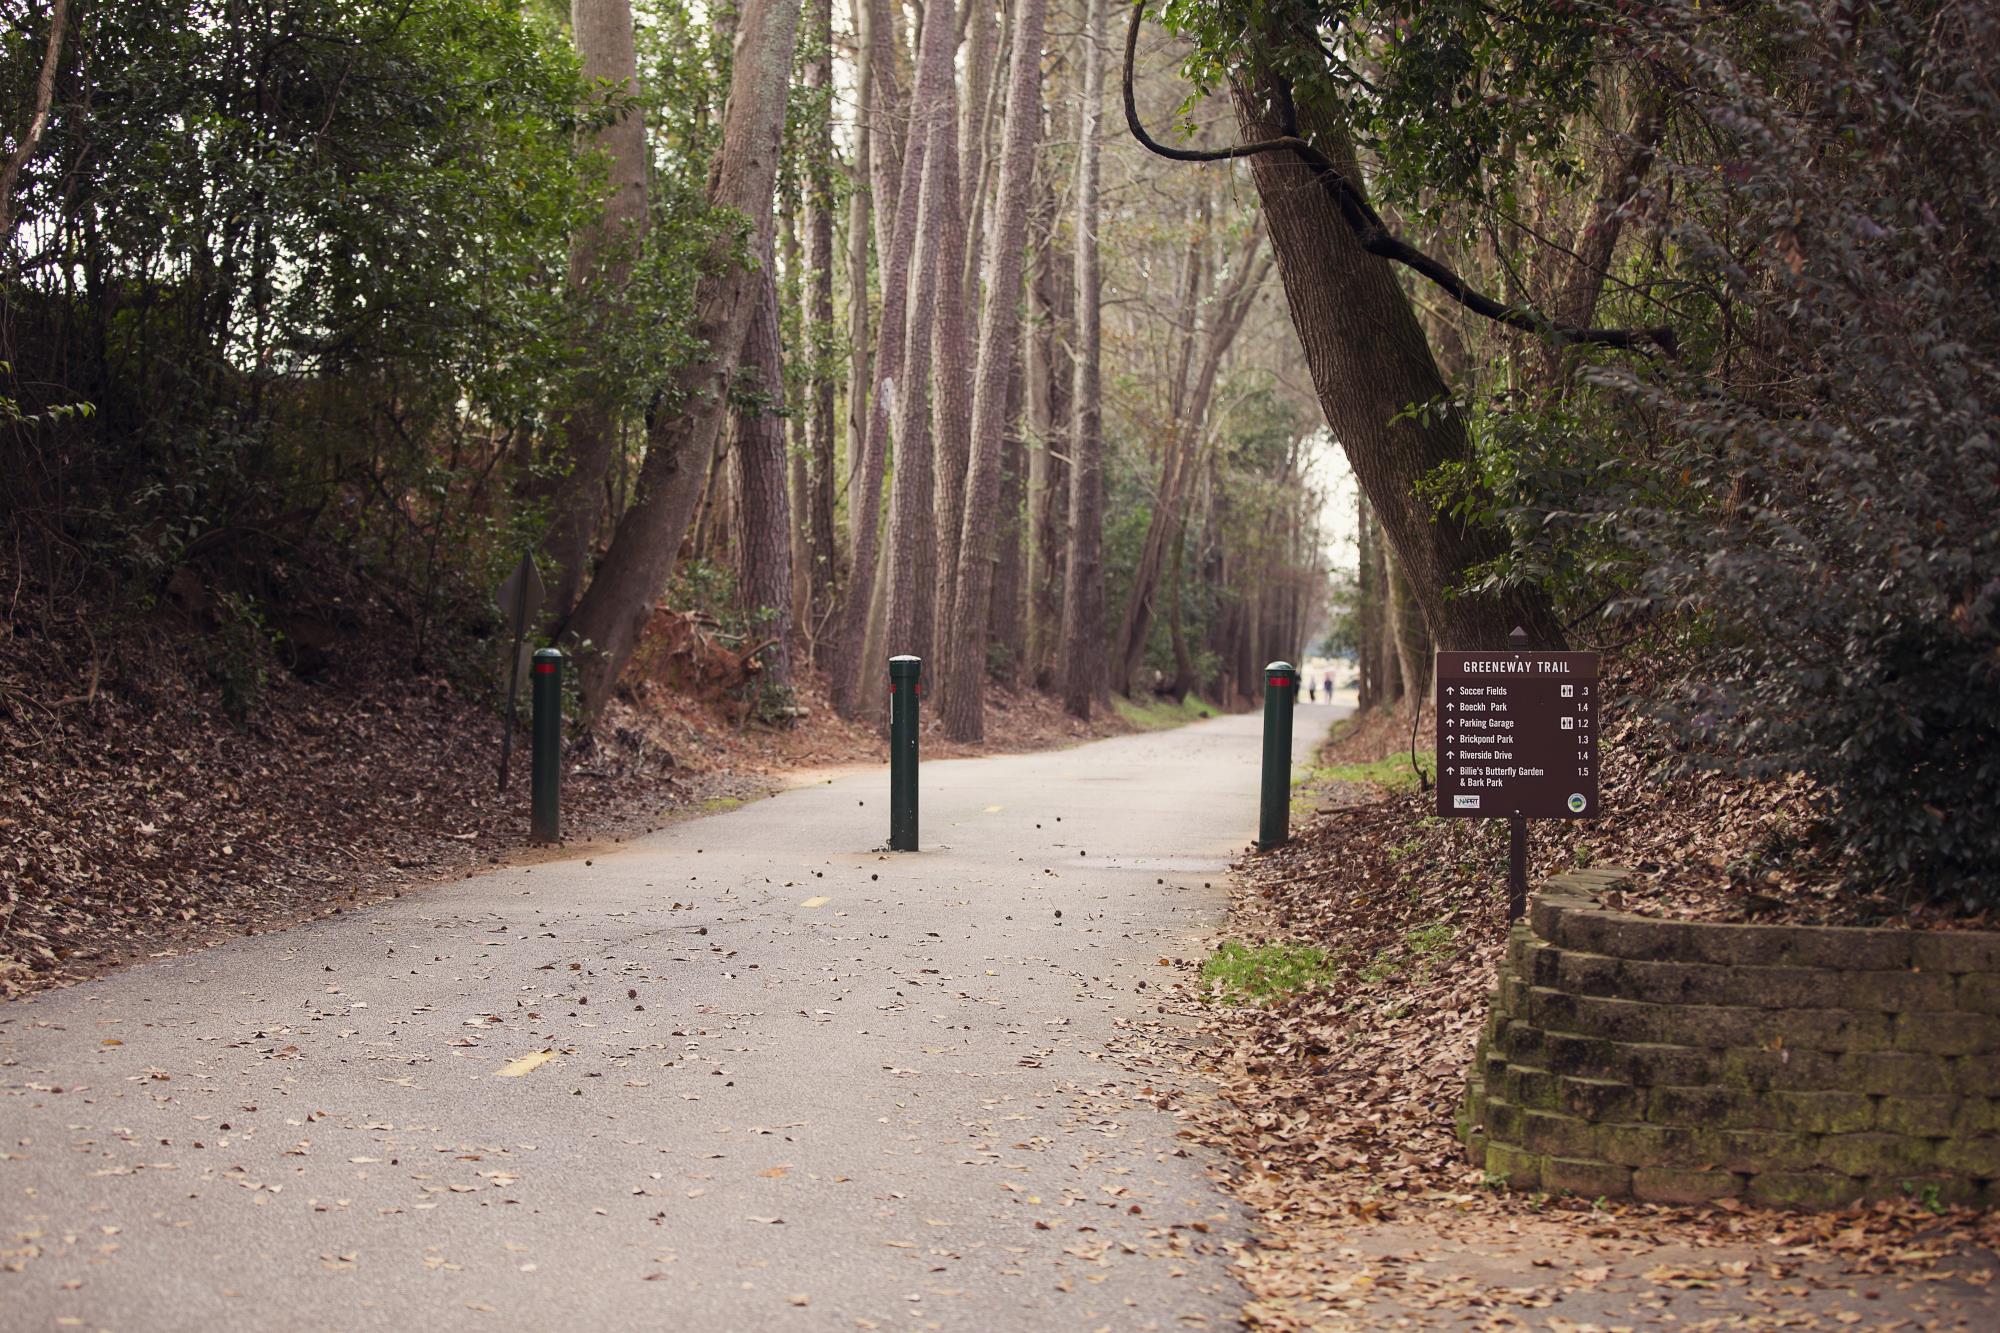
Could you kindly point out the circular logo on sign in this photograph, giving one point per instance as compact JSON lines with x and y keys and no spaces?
{"x":1576,"y":802}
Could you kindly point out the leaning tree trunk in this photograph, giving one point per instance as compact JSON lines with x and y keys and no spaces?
{"x":601,"y":255}
{"x":1370,"y":365}
{"x":682,"y":440}
{"x":1232,"y":305}
{"x":1083,"y":582}
{"x":964,"y":681}
{"x":765,"y":521}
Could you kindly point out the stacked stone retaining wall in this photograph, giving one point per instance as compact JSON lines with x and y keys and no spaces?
{"x":1681,"y":1062}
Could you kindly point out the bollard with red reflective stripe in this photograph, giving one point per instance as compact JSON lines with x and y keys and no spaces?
{"x":905,"y":685}
{"x":1274,"y":821}
{"x":545,"y":770}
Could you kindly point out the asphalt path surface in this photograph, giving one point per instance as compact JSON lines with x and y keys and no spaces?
{"x":749,"y":1072}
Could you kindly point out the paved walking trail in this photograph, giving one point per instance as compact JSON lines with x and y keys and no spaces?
{"x":796,"y":1082}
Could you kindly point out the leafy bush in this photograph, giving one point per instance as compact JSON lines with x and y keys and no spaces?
{"x":1833,"y":551}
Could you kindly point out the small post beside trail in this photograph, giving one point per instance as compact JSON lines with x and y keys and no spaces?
{"x":905,"y":688}
{"x":545,"y":778}
{"x":1274,"y":822}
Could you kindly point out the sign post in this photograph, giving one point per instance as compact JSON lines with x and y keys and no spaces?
{"x":1517,"y":737}
{"x":545,"y":767}
{"x":519,"y":597}
{"x":1274,"y":813}
{"x":905,"y":685}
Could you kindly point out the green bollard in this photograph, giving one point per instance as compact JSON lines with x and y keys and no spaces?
{"x":905,"y":688}
{"x":1274,"y":823}
{"x":545,"y":771}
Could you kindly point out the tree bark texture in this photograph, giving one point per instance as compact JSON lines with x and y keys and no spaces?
{"x":1083,"y":582}
{"x":1413,"y":640}
{"x":912,"y":515}
{"x":858,"y":233}
{"x":1049,"y":374}
{"x":764,"y":516}
{"x":963,"y":684}
{"x":951,"y":381}
{"x":1007,"y":622}
{"x":682,"y":438}
{"x":821,"y":562}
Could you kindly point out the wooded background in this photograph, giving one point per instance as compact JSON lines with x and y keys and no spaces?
{"x":872,"y":329}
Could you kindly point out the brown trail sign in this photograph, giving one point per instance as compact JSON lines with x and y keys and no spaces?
{"x":1517,"y":737}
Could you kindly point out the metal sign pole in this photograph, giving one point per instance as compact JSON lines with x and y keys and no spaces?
{"x":519,"y":598}
{"x":905,"y":675}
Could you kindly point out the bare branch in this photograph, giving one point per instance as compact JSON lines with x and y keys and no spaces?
{"x":1372,"y":233}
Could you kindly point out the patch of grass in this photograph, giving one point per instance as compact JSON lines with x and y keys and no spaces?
{"x":1391,"y":771}
{"x":1157,"y":712}
{"x":1256,"y":973}
{"x":715,"y":805}
{"x":1430,"y":939}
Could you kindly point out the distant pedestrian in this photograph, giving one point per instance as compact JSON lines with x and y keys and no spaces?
{"x":1312,"y":691}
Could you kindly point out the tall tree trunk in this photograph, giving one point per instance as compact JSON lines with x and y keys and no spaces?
{"x":817,"y":521}
{"x":1370,"y":363}
{"x":1413,"y":641}
{"x":1048,"y":383}
{"x":1083,"y":583}
{"x":858,"y":234}
{"x":798,"y":422}
{"x":1008,"y":621}
{"x":888,"y":142}
{"x":864,"y":503}
{"x":764,"y":509}
{"x":1387,"y":669}
{"x":964,"y":680}
{"x":975,"y":117}
{"x":951,"y":391}
{"x":912,"y":514}
{"x":601,"y":255}
{"x":1184,"y":679}
{"x":682,"y":441}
